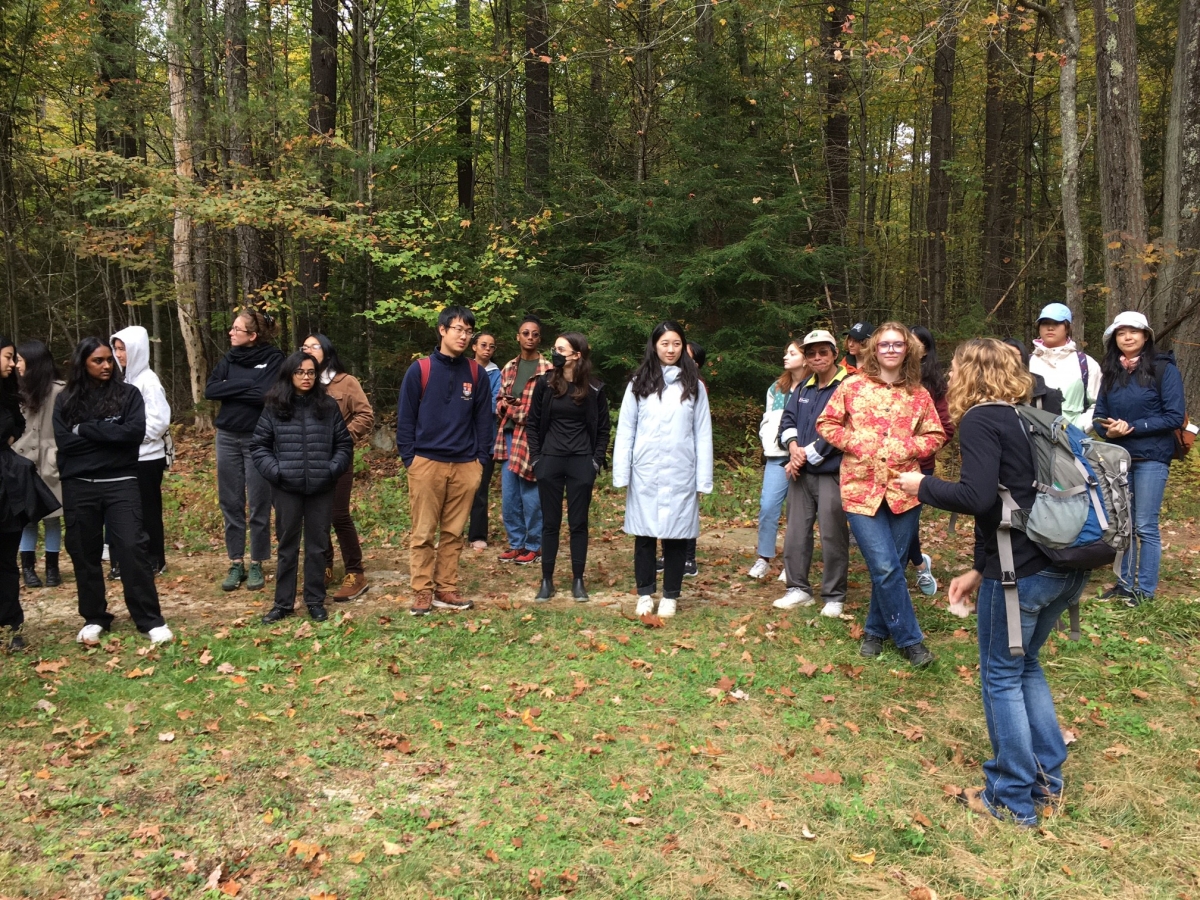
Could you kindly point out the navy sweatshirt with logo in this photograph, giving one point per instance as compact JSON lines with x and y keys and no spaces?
{"x":451,"y":420}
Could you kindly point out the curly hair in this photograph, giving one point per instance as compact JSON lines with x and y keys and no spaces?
{"x":910,"y":369}
{"x":984,"y":370}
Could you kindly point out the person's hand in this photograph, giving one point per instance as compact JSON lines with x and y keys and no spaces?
{"x":810,"y":453}
{"x":1118,"y":428}
{"x":961,"y":589}
{"x":792,"y":469}
{"x":796,"y":453}
{"x":909,"y":482}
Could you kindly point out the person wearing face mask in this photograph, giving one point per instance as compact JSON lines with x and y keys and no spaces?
{"x":568,"y":429}
{"x":1065,"y":367}
{"x":664,"y":457}
{"x":477,"y":530}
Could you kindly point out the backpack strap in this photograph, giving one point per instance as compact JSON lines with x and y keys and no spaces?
{"x":424,"y":364}
{"x":1083,"y":371}
{"x":1008,"y":572}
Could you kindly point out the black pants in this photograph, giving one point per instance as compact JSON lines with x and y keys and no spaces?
{"x":343,"y":526}
{"x":645,"y":570}
{"x":312,"y":514}
{"x":478,"y":529}
{"x":150,"y":477}
{"x":575,"y":475}
{"x":92,"y":509}
{"x":11,"y":614}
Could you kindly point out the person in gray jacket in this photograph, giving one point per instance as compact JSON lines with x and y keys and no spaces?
{"x":664,"y":456}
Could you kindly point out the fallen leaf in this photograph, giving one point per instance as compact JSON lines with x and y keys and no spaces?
{"x":140,"y":673}
{"x":492,"y":855}
{"x":650,"y":620}
{"x":1116,"y":751}
{"x":205,"y":657}
{"x":741,"y":821}
{"x":231,"y":888}
{"x":390,"y":849}
{"x":1140,"y":694}
{"x":922,"y":893}
{"x":824,"y":776}
{"x":214,"y":878}
{"x":322,"y":895}
{"x":50,"y":666}
{"x":867,"y":859}
{"x":633,"y":820}
{"x":806,"y":834}
{"x":303,"y":850}
{"x":166,"y":736}
{"x":356,"y":858}
{"x":226,"y":668}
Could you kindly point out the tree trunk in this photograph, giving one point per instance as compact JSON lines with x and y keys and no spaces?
{"x":1002,"y":152}
{"x":941,"y":152}
{"x":537,"y":97}
{"x":645,"y":90}
{"x":1068,"y":94}
{"x":116,"y":102}
{"x":237,"y":94}
{"x":836,"y":133}
{"x":464,"y":89}
{"x":1119,"y":153}
{"x":322,"y":111}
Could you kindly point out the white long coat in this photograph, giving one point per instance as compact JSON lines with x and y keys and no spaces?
{"x":664,"y":456}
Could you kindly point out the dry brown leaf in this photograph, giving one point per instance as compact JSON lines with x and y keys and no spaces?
{"x":741,"y":821}
{"x":51,"y":667}
{"x":166,"y":736}
{"x":302,"y":850}
{"x":633,"y":820}
{"x":390,"y":849}
{"x":356,"y":857}
{"x":922,"y":893}
{"x":650,"y":620}
{"x":492,"y":855}
{"x":824,"y":776}
{"x":1140,"y":694}
{"x":322,"y":895}
{"x":867,"y":859}
{"x":231,"y":888}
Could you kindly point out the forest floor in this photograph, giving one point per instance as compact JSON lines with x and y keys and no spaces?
{"x":564,"y":749}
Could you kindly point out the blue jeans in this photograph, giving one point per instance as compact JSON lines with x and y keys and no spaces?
{"x":1027,"y":745}
{"x":883,"y":539}
{"x":1139,"y":569}
{"x":521,"y":507}
{"x":770,"y":504}
{"x":53,"y":535}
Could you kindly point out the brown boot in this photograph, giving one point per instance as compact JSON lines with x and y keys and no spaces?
{"x":328,"y":576}
{"x":353,"y":585}
{"x":422,"y":603}
{"x":451,"y":600}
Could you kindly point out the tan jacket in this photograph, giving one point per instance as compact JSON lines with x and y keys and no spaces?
{"x":37,"y":443}
{"x":352,"y":401}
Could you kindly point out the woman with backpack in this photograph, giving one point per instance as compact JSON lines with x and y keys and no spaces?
{"x":1025,"y":774}
{"x":663,"y":455}
{"x":568,"y":429}
{"x":301,"y":447}
{"x":1141,"y":403}
{"x":41,"y":384}
{"x":775,"y":479}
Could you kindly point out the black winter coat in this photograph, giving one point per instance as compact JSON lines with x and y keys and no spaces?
{"x":240,"y":380}
{"x":304,"y":454}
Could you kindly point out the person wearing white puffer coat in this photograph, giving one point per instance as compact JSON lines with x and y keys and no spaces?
{"x":131,"y":347}
{"x":1065,"y":367}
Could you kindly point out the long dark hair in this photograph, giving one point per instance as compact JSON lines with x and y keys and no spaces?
{"x":1113,"y":374}
{"x":8,"y":386}
{"x":331,"y":362}
{"x":41,"y":371}
{"x":933,"y":379}
{"x":581,"y":376}
{"x":86,"y":399}
{"x":648,"y":379}
{"x":281,"y":398}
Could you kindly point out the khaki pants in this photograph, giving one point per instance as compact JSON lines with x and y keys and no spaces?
{"x":440,"y":496}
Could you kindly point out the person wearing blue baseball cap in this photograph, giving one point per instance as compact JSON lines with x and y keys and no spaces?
{"x":1064,"y":366}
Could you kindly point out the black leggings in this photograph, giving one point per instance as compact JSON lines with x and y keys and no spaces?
{"x":11,"y":615}
{"x":645,"y":570}
{"x":150,"y":478}
{"x":575,"y":475}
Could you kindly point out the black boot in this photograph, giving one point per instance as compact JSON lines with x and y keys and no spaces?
{"x":275,"y":614}
{"x":318,"y":613}
{"x":28,"y":569}
{"x":545,"y":592}
{"x":53,"y":579}
{"x":577,"y":589}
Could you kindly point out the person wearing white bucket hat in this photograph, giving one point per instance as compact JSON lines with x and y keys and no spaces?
{"x":1064,"y":366}
{"x":1140,"y":404}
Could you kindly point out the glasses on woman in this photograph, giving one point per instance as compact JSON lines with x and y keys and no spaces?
{"x":240,"y":330}
{"x":891,"y":346}
{"x":305,"y":373}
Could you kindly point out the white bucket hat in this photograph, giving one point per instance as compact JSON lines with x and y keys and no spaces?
{"x":1128,"y":319}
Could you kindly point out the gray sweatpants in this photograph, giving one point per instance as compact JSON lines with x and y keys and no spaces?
{"x":817,"y":499}
{"x":237,"y":477}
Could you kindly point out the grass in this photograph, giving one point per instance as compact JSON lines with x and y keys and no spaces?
{"x":563,"y":750}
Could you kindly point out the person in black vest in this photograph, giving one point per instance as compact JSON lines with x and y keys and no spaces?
{"x":568,"y":429}
{"x":99,"y":424}
{"x":301,"y":447}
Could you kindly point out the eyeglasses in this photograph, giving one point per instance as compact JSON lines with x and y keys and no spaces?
{"x":304,"y":373}
{"x":530,"y":334}
{"x":891,"y":346}
{"x":307,"y":348}
{"x":461,"y":329}
{"x":819,"y":351}
{"x":241,"y":330}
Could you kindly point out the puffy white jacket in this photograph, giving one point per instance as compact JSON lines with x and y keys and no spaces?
{"x":138,"y":373}
{"x":1060,"y":367}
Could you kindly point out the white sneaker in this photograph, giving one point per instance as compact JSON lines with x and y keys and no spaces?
{"x":666,"y":607}
{"x":783,"y":575}
{"x":160,"y":635}
{"x":104,"y":553}
{"x":760,"y":568}
{"x":794,"y":597}
{"x":925,"y":580}
{"x":832,"y":609}
{"x":89,"y":634}
{"x":478,"y":545}
{"x":645,"y":605}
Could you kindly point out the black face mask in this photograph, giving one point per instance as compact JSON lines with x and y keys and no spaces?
{"x":557,"y":360}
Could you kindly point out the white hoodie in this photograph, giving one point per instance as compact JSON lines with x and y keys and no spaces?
{"x":1060,"y":367}
{"x":139,"y":374}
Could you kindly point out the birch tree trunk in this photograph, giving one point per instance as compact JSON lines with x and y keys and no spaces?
{"x":1068,"y":94}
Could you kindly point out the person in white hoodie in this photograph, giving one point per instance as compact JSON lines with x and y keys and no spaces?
{"x":1065,"y":367}
{"x":131,"y":347}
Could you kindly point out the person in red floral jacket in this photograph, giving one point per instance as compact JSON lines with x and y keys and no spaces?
{"x":884,"y":421}
{"x":520,"y":504}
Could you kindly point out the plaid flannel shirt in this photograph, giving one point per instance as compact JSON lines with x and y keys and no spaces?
{"x":517,"y":413}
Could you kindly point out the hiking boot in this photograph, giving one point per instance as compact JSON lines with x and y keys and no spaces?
{"x":870,"y":647}
{"x":317,"y":612}
{"x":510,"y":555}
{"x":276,"y":614}
{"x":1116,"y":592}
{"x":545,"y":592}
{"x":352,"y":586}
{"x":29,"y":570}
{"x":690,"y":569}
{"x":451,"y":600}
{"x":795,"y":596}
{"x":255,"y":581}
{"x":235,"y":577}
{"x":422,"y":604}
{"x":918,"y":655}
{"x":527,"y":556}
{"x":17,"y":644}
{"x":760,"y":568}
{"x":925,"y":580}
{"x":328,"y":576}
{"x":53,"y":578}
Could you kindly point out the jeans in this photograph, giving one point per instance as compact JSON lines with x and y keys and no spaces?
{"x":53,"y":535}
{"x":522,"y":507}
{"x":343,"y":526}
{"x":574,"y":476}
{"x":645,"y":570}
{"x":1139,"y":568}
{"x":150,"y":476}
{"x":1027,"y":745}
{"x":477,"y":530}
{"x":310,"y":514}
{"x":817,"y":499}
{"x":883,"y":539}
{"x":237,"y":476}
{"x":770,"y":504}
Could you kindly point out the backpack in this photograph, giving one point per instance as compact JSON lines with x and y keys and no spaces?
{"x":424,"y":363}
{"x":1185,"y":435}
{"x":1081,"y":518}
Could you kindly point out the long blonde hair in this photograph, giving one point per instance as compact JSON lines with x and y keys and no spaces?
{"x":910,"y":369}
{"x":984,"y":370}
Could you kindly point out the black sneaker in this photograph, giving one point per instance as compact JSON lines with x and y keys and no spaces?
{"x":276,"y":613}
{"x":114,"y":574}
{"x":1116,"y":592}
{"x":659,"y":564}
{"x":918,"y":655}
{"x":870,"y":647}
{"x":1137,"y":598}
{"x":690,"y":569}
{"x":318,"y":613}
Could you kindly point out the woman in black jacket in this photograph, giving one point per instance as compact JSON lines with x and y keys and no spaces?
{"x":12,"y":425}
{"x":301,"y":447}
{"x":568,"y":430}
{"x":99,"y":423}
{"x":240,"y":381}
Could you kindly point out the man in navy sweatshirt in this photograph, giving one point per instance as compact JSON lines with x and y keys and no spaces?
{"x":443,"y":437}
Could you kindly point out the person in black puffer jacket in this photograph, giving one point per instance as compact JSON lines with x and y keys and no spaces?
{"x":301,"y":447}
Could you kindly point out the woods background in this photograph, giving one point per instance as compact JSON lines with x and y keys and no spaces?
{"x":749,"y":167}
